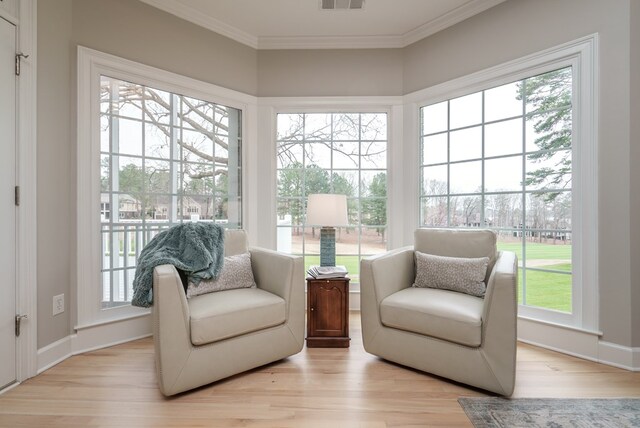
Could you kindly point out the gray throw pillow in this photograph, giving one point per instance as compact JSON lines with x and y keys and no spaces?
{"x":236,"y":273}
{"x":465,"y":275}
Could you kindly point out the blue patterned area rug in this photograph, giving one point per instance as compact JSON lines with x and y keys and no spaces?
{"x":552,"y":413}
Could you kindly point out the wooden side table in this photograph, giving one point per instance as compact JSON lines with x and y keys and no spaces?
{"x":328,"y":313}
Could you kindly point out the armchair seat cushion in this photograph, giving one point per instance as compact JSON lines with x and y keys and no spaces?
{"x":230,"y":313}
{"x":444,"y":314}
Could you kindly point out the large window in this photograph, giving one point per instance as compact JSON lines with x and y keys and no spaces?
{"x":165,"y":158}
{"x":502,"y":158}
{"x":343,"y":153}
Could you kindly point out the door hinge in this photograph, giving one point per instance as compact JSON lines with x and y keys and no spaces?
{"x":19,"y":319}
{"x":19,"y":57}
{"x":17,"y":196}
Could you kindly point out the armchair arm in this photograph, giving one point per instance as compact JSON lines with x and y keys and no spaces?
{"x":384,"y":274}
{"x":280,"y":274}
{"x":500,"y":320}
{"x":171,"y":328}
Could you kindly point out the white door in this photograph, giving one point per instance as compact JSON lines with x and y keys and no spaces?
{"x":7,"y":203}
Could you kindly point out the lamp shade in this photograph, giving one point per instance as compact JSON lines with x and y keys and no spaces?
{"x":327,"y":210}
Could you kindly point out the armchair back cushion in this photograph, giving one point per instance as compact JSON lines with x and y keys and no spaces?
{"x":235,"y":242}
{"x":458,"y":243}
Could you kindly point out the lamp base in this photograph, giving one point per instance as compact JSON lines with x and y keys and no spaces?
{"x":328,"y":246}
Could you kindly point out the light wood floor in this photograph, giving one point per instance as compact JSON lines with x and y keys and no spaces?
{"x":116,"y":387}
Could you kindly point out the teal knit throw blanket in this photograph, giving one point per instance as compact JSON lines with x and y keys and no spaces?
{"x":195,"y":248}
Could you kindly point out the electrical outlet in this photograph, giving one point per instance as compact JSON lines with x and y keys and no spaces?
{"x":58,"y":304}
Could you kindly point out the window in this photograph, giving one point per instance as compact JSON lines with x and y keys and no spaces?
{"x":501,"y":158}
{"x":165,"y":158}
{"x":343,"y":153}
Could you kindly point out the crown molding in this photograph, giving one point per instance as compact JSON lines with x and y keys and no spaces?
{"x":179,"y":9}
{"x":210,"y":23}
{"x":331,"y":42}
{"x":449,"y":19}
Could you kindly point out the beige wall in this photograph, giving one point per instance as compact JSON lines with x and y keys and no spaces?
{"x":635,"y":168}
{"x":136,"y":31}
{"x":520,"y":27}
{"x":323,"y":72}
{"x":55,"y":140}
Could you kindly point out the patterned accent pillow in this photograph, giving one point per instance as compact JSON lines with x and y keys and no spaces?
{"x":236,"y":273}
{"x":465,"y":275}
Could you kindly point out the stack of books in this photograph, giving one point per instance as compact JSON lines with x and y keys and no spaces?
{"x":326,"y":272}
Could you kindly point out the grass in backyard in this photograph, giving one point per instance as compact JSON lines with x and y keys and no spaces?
{"x":547,"y":290}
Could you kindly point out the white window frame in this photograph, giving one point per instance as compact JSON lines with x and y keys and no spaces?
{"x":270,"y":107}
{"x":582,"y":56}
{"x":91,"y":65}
{"x":385,"y":110}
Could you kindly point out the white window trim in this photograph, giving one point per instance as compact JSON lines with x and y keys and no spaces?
{"x":271,"y":106}
{"x":92,"y":64}
{"x":582,"y":55}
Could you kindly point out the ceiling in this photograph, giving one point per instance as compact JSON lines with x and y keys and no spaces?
{"x":301,"y":24}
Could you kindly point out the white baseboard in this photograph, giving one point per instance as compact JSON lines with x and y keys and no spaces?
{"x":92,"y":338}
{"x":616,"y":355}
{"x":578,"y":343}
{"x":54,"y":353}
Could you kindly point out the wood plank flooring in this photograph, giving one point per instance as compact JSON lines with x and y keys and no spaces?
{"x":116,"y":387}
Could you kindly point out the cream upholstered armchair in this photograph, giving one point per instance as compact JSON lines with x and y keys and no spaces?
{"x":216,"y":335}
{"x":454,"y":335}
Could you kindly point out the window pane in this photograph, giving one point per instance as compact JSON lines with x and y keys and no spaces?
{"x":158,"y":178}
{"x":197,"y":179}
{"x":503,"y":138}
{"x":503,"y":211}
{"x":344,"y":183}
{"x":466,"y":111}
{"x":373,"y":184}
{"x":157,"y":106}
{"x":434,"y":118}
{"x":374,"y":126}
{"x":130,"y":175}
{"x":105,"y":173}
{"x":465,"y":211}
{"x":290,"y":212}
{"x":105,"y":143}
{"x":346,"y":154}
{"x":129,"y":137}
{"x":156,"y":139}
{"x":434,"y":212}
{"x":346,"y":127}
{"x":290,"y":182}
{"x":465,"y":144}
{"x":466,"y":177}
{"x":317,"y":127}
{"x":548,"y":170}
{"x":318,"y":180}
{"x":503,"y":174}
{"x":548,"y":290}
{"x":434,"y":179}
{"x":196,"y":146}
{"x":374,"y":154}
{"x":549,"y":211}
{"x":374,"y":211}
{"x":197,"y":114}
{"x":551,"y":130}
{"x":434,"y":149}
{"x":127,"y":101}
{"x":318,"y":154}
{"x":502,"y":102}
{"x":549,"y":250}
{"x":548,"y":91}
{"x":289,"y":155}
{"x":290,"y":127}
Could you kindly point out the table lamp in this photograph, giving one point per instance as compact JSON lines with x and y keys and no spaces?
{"x":327,"y":211}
